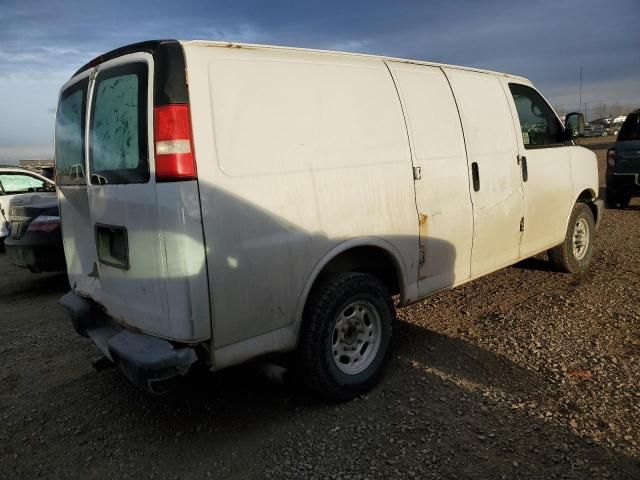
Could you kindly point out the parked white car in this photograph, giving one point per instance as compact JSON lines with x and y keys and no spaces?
{"x":14,"y":182}
{"x":237,"y":202}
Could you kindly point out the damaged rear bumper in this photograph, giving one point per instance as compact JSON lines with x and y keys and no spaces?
{"x":150,"y":362}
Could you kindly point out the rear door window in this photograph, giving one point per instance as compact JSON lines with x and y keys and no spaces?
{"x":69,"y":136}
{"x":118,"y":130}
{"x":630,"y":129}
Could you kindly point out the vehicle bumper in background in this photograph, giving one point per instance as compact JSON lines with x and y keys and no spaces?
{"x":149,"y":362}
{"x":40,"y":258}
{"x":624,"y":183}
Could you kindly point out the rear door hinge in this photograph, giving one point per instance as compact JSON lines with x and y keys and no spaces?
{"x":417,"y":173}
{"x":421,"y":255}
{"x":522,"y":224}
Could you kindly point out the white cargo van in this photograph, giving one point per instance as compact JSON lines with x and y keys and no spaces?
{"x":223,"y":203}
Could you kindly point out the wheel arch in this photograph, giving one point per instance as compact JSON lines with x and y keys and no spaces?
{"x":589,"y":197}
{"x":350,"y":255}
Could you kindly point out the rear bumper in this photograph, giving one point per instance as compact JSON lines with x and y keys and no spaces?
{"x":624,"y":183}
{"x":149,"y":362}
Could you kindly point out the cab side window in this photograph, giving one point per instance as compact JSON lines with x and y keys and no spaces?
{"x":540,"y":126}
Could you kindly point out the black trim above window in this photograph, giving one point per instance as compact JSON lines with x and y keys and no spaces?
{"x":169,"y":68}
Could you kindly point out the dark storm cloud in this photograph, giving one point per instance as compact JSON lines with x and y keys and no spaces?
{"x":547,"y":40}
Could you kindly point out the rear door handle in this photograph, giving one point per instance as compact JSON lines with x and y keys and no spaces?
{"x":522,"y":160}
{"x":475,"y":175}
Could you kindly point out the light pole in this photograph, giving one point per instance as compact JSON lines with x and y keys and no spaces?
{"x":580,"y":90}
{"x":586,"y":105}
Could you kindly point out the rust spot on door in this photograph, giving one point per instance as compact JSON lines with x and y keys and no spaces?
{"x":422,"y":220}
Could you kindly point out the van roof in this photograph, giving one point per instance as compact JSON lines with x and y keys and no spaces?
{"x":213,"y":43}
{"x":152,"y":45}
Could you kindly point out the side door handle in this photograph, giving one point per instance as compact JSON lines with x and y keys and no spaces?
{"x":522,"y":160}
{"x":475,"y":175}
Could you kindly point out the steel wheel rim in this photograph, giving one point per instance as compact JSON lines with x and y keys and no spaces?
{"x":580,"y":238}
{"x":356,"y":337}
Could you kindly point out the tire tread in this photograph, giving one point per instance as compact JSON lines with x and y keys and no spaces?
{"x":322,"y":299}
{"x":561,"y":256}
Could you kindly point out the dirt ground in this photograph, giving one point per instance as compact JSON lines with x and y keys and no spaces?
{"x":526,"y":373}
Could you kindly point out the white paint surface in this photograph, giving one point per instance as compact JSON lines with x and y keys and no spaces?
{"x":302,"y":155}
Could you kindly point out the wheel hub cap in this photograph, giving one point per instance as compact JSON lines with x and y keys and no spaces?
{"x":356,"y":337}
{"x":580,"y":238}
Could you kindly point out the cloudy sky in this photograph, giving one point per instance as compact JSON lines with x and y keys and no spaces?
{"x":43,"y":42}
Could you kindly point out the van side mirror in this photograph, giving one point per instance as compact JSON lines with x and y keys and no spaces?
{"x":574,"y":125}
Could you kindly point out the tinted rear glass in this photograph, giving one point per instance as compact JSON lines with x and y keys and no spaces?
{"x":630,"y":129}
{"x":69,"y":137}
{"x":118,"y":131}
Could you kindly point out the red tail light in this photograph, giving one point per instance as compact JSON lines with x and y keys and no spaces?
{"x":611,"y":157}
{"x":44,"y":223}
{"x":175,"y":160}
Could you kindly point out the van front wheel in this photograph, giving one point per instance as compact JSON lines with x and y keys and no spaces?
{"x":574,"y":254}
{"x":345,"y":341}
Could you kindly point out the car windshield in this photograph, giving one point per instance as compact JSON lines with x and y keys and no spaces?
{"x":14,"y":183}
{"x":630,"y":129}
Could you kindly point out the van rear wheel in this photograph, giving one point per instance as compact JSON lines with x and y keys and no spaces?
{"x":574,"y":254}
{"x":345,"y":341}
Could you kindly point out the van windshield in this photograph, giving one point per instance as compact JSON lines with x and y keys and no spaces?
{"x":630,"y":129}
{"x":118,"y":130}
{"x":69,"y":135}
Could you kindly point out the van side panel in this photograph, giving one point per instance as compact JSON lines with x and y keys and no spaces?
{"x":490,"y":138}
{"x":297,"y":152}
{"x":442,"y":194}
{"x":584,"y":170}
{"x":548,"y":196}
{"x":185,"y":265}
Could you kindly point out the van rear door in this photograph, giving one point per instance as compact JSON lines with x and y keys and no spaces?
{"x":133,"y":245}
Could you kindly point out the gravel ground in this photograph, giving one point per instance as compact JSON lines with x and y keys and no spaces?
{"x":526,"y":373}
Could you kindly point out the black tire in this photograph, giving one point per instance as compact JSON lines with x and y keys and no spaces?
{"x":317,"y":365}
{"x":563,"y":256}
